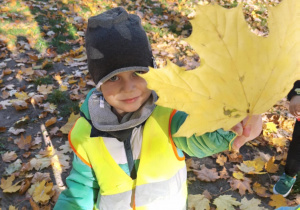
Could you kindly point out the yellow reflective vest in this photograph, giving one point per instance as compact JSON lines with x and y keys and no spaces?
{"x":161,"y":176}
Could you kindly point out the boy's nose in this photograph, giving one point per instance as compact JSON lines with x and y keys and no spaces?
{"x":128,"y":85}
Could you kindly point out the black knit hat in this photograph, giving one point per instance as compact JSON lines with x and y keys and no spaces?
{"x":116,"y":42}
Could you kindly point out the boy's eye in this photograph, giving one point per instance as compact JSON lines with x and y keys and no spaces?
{"x":114,"y":78}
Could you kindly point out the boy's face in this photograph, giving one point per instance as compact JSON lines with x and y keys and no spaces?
{"x":125,"y":92}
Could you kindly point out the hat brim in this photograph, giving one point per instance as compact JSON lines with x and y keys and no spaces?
{"x":117,"y":71}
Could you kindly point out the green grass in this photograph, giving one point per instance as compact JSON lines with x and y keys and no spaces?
{"x":64,"y":104}
{"x":43,"y":80}
{"x":296,"y":188}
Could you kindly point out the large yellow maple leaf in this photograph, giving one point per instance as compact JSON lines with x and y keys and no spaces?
{"x":241,"y":74}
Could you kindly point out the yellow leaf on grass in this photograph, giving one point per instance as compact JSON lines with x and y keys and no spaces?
{"x":226,"y":202}
{"x":67,"y":127}
{"x":42,"y":191}
{"x":241,"y":74}
{"x":198,"y":202}
{"x":277,"y":201}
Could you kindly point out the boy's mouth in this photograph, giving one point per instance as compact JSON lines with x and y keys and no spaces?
{"x":131,"y":100}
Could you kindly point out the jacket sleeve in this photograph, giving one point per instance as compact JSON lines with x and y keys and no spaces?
{"x":82,"y":188}
{"x":295,"y":90}
{"x":204,"y":145}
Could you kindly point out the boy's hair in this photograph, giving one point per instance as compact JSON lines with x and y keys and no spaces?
{"x":116,"y":42}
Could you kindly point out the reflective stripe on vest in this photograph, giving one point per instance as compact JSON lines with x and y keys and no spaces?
{"x":161,"y":177}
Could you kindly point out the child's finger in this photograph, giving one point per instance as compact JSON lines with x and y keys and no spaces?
{"x":247,"y":131}
{"x":238,"y":129}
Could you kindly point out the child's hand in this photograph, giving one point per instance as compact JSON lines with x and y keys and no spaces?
{"x":295,"y":106}
{"x":247,"y":130}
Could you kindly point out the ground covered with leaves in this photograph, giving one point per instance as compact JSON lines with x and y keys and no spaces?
{"x":44,"y":80}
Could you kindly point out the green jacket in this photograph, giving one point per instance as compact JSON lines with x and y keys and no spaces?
{"x":82,"y":184}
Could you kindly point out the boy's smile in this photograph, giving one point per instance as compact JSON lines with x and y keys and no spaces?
{"x":125,"y":92}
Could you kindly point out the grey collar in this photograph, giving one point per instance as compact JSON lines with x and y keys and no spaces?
{"x":104,"y":119}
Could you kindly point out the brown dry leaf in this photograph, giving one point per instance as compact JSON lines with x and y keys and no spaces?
{"x":3,"y":129}
{"x":71,"y":121}
{"x":82,"y":83}
{"x":221,"y":159}
{"x":38,"y":177}
{"x":49,"y":151}
{"x":24,"y":186}
{"x":42,"y":192}
{"x":241,"y":185}
{"x":45,"y":89}
{"x":192,"y":164}
{"x":207,"y":175}
{"x":24,"y":143}
{"x":207,"y":194}
{"x":5,"y":94}
{"x":226,"y":202}
{"x":34,"y":205}
{"x":270,"y":166}
{"x":224,"y":174}
{"x":234,"y":157}
{"x":54,"y":131}
{"x":7,"y":185}
{"x":198,"y":202}
{"x":260,"y":190}
{"x":9,"y":156}
{"x":40,"y":163}
{"x":50,"y":122}
{"x":277,"y":201}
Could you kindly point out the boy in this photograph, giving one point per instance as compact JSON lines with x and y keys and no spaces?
{"x":285,"y":183}
{"x":125,"y":157}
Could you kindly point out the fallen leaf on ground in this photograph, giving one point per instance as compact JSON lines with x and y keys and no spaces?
{"x":9,"y":156}
{"x":241,"y":185}
{"x":16,"y":131}
{"x":221,"y":159}
{"x":238,"y":175}
{"x":277,"y":201}
{"x":270,"y":166}
{"x":68,"y":126}
{"x":198,"y":202}
{"x":226,"y":202}
{"x":207,"y":175}
{"x":13,"y":167}
{"x":260,"y":190}
{"x":252,"y":204}
{"x":42,"y":192}
{"x":24,"y":143}
{"x":7,"y":185}
{"x":51,"y":121}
